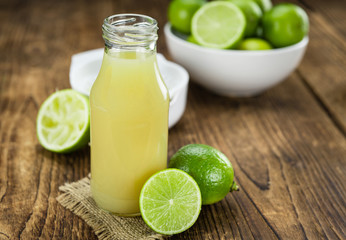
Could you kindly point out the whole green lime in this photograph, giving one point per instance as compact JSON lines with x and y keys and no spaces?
{"x":253,"y":15}
{"x":254,"y":44}
{"x":180,"y":13}
{"x":285,"y":24}
{"x":210,"y":168}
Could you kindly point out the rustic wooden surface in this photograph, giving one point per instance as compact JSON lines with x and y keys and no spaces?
{"x":287,"y":146}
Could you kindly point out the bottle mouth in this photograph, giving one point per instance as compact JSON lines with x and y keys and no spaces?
{"x":129,"y":30}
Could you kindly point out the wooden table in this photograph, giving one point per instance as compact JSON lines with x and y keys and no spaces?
{"x":287,"y":146}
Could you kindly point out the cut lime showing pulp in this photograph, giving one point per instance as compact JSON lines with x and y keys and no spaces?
{"x":170,"y":201}
{"x":63,"y":121}
{"x":218,"y":25}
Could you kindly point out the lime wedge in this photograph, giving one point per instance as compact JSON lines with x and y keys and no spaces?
{"x":63,"y":121}
{"x":218,"y":25}
{"x":170,"y":201}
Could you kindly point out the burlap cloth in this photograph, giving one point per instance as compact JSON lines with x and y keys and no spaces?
{"x":76,"y":197}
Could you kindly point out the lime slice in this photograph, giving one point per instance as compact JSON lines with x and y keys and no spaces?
{"x":63,"y":121}
{"x":170,"y":201}
{"x":218,"y":25}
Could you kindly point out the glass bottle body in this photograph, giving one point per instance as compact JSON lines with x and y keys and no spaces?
{"x":129,"y":127}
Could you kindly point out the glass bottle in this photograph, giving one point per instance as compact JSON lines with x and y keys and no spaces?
{"x":129,"y":114}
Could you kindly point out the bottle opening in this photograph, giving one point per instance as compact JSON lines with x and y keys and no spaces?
{"x":126,"y":30}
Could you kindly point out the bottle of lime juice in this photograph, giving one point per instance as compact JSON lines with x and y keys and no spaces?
{"x":129,"y":114}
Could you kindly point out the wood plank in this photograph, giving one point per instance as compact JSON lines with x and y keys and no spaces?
{"x":324,"y":70}
{"x":333,"y":11}
{"x":282,"y":146}
{"x":30,"y":177}
{"x":34,"y":62}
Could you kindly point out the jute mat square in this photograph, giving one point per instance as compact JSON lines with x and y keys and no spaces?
{"x":77,"y":198}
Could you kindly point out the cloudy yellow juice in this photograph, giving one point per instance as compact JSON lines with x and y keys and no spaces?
{"x":129,"y":127}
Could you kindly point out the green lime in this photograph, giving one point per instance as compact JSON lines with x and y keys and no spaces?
{"x":254,"y":44}
{"x":259,"y":31}
{"x":180,"y":13}
{"x":265,"y":5}
{"x":285,"y":24}
{"x":170,"y":201}
{"x":191,"y":39}
{"x":209,"y":167}
{"x":218,"y":24}
{"x":63,"y":121}
{"x":253,"y":15}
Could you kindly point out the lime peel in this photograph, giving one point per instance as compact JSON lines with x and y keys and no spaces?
{"x":211,"y":169}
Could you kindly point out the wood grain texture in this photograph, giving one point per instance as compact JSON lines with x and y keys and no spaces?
{"x":287,"y":146}
{"x":327,"y":49}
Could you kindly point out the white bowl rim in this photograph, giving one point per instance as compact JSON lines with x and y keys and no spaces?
{"x":170,"y":34}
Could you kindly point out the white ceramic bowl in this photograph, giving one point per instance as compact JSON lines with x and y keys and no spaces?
{"x":234,"y":72}
{"x":85,"y":67}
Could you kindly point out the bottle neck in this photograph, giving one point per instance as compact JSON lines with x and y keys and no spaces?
{"x":130,"y":32}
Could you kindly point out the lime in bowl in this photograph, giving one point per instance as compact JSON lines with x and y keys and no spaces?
{"x":234,"y":73}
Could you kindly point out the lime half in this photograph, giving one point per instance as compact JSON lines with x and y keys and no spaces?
{"x":63,"y":121}
{"x":170,"y":201}
{"x":218,"y":25}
